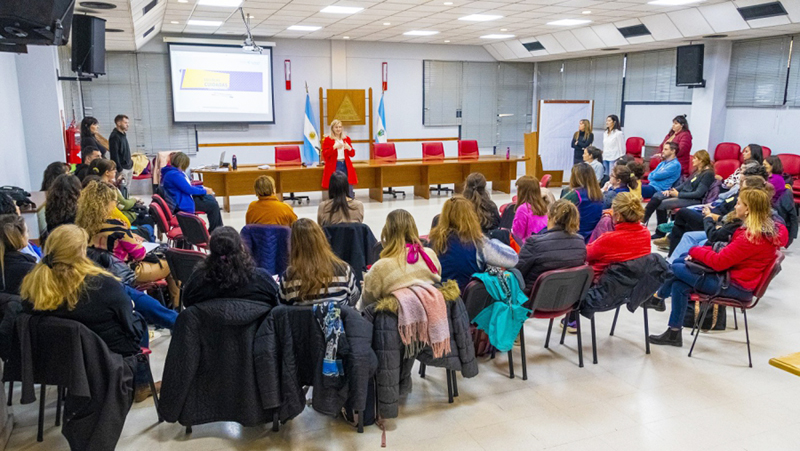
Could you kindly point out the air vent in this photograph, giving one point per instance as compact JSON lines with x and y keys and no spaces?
{"x":715,"y":36}
{"x":762,"y":11}
{"x":634,"y":31}
{"x":152,"y":29}
{"x":609,"y":49}
{"x":114,"y":30}
{"x":149,"y":6}
{"x":98,"y":5}
{"x":533,"y":46}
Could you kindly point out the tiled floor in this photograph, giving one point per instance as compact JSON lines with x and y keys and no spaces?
{"x":628,"y":401}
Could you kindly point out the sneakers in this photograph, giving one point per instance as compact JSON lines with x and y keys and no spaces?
{"x":572,"y":327}
{"x":144,"y":392}
{"x":670,"y":337}
{"x":662,"y":243}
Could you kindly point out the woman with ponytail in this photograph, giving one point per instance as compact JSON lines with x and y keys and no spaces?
{"x":229,"y":272}
{"x":475,"y":192}
{"x":621,"y":181}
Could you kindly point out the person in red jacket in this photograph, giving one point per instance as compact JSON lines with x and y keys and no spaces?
{"x":680,"y":134}
{"x":337,"y":149}
{"x":752,"y":250}
{"x":628,"y":241}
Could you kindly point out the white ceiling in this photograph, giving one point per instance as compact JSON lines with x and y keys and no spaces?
{"x":526,"y":19}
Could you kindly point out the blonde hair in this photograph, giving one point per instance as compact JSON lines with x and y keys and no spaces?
{"x":529,"y":192}
{"x":564,"y":214}
{"x":400,"y":229}
{"x":12,"y":238}
{"x":265,"y":186}
{"x":93,"y":206}
{"x":705,"y":158}
{"x":758,"y":224}
{"x":61,"y":275}
{"x":334,"y":123}
{"x":311,"y":260}
{"x":180,"y":160}
{"x":587,"y":129}
{"x":627,"y":208}
{"x":458,"y":217}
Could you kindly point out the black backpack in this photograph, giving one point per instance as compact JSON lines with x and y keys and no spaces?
{"x":19,"y":195}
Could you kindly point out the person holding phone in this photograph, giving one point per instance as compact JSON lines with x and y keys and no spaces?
{"x":337,"y":150}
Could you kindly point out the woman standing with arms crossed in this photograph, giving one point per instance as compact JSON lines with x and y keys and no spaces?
{"x":582,"y":139}
{"x":680,"y":135}
{"x":337,"y":150}
{"x":613,"y":142}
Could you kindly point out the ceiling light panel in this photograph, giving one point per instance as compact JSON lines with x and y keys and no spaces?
{"x":341,"y":9}
{"x":203,"y":23}
{"x":303,"y":28}
{"x":497,"y":36}
{"x":420,"y":33}
{"x":569,"y":22}
{"x":674,"y":2}
{"x":480,"y":17}
{"x":220,"y":3}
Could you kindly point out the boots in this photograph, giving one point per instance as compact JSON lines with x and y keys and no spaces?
{"x":670,"y":337}
{"x":656,"y":304}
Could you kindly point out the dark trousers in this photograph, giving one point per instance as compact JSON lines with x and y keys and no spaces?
{"x":687,"y":220}
{"x":578,"y":156}
{"x":683,"y":282}
{"x":660,"y":205}
{"x":140,"y":378}
{"x":342,"y":167}
{"x":208,"y":205}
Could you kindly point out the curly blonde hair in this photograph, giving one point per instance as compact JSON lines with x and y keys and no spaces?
{"x":94,"y":206}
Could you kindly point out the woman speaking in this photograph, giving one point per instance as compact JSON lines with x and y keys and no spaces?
{"x":337,"y":149}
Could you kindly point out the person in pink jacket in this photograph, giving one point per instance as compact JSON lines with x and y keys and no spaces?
{"x":531,"y":214}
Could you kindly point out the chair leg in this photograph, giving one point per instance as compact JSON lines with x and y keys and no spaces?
{"x":40,"y":432}
{"x":146,"y":361}
{"x":10,"y":392}
{"x":735,"y":323}
{"x":580,"y":341}
{"x":549,"y":329}
{"x":699,"y":326}
{"x":523,"y":356}
{"x":455,"y":383}
{"x":747,"y":335}
{"x":646,"y":332}
{"x":188,"y":429}
{"x":510,"y":365}
{"x":275,"y":421}
{"x":449,"y":388}
{"x":564,"y":328}
{"x":594,"y":343}
{"x":422,"y":370}
{"x":59,"y":400}
{"x":360,"y":414}
{"x":614,"y":324}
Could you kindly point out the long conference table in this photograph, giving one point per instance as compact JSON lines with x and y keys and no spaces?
{"x":373,"y":174}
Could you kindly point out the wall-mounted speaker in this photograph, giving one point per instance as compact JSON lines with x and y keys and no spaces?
{"x":690,"y":66}
{"x":37,"y":22}
{"x":89,"y":45}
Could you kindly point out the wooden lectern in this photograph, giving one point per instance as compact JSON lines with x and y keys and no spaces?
{"x":533,"y":166}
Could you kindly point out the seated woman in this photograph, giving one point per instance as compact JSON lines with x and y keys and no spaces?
{"x":475,"y":192}
{"x":315,"y":274}
{"x":628,"y":241}
{"x":461,"y":246}
{"x":116,"y":213}
{"x":9,"y":207}
{"x":229,"y":272}
{"x":51,"y":173}
{"x":621,"y":181}
{"x":268,"y":209}
{"x":339,"y":208}
{"x":750,"y":252}
{"x":531,"y":213}
{"x":690,"y":192}
{"x":586,"y":195}
{"x":62,"y":201}
{"x":187,"y":197}
{"x":774,"y":168}
{"x":751,"y":154}
{"x":403,"y":262}
{"x":95,"y":206}
{"x":637,"y":171}
{"x":558,"y":247}
{"x":132,"y":208}
{"x":594,"y":158}
{"x":14,"y":265}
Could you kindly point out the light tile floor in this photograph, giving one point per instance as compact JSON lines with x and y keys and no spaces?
{"x":628,"y":401}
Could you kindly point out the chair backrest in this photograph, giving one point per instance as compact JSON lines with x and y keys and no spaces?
{"x":385,"y":152}
{"x":287,"y":156}
{"x":475,"y":297}
{"x":634,"y":146}
{"x":165,"y":207}
{"x":791,"y":164}
{"x":182,"y":262}
{"x":766,"y":151}
{"x":468,"y":149}
{"x":269,"y":245}
{"x":432,"y":151}
{"x":545,"y":181}
{"x":160,"y":218}
{"x":768,"y":275}
{"x":727,"y":151}
{"x":193,"y":229}
{"x":507,"y":213}
{"x":724,"y":168}
{"x":560,"y":289}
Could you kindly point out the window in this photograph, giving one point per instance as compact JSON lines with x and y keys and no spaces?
{"x":793,"y":93}
{"x":650,"y":77}
{"x":757,"y":76}
{"x":441,"y":86}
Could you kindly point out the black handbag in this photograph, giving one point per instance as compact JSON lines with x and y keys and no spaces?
{"x":715,"y":318}
{"x":706,"y":271}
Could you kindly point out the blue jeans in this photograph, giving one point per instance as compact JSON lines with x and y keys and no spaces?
{"x":607,"y":165}
{"x":688,"y":241}
{"x":683,"y":282}
{"x":152,"y":310}
{"x":342,"y":167}
{"x":648,"y":191}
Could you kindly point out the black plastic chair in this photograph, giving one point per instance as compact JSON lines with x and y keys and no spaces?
{"x":194,"y":230}
{"x":182,"y":263}
{"x":353,"y":243}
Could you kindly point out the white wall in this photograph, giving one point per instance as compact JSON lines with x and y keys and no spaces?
{"x":14,"y":167}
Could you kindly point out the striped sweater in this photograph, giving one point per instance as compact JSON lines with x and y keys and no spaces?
{"x":342,"y":289}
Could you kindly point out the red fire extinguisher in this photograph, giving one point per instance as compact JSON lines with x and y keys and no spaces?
{"x":73,"y":143}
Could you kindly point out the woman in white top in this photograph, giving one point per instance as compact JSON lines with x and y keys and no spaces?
{"x":613,"y":143}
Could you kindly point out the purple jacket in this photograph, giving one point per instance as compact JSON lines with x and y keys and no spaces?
{"x":526,"y":223}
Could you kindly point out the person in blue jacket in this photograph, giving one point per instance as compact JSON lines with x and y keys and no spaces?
{"x":664,"y":176}
{"x":187,"y":197}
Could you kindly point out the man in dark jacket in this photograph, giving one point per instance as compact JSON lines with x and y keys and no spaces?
{"x":119,"y":149}
{"x":88,"y":154}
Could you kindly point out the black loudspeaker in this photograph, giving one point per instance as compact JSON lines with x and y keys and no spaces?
{"x":690,"y":66}
{"x":37,"y":22}
{"x":88,"y":45}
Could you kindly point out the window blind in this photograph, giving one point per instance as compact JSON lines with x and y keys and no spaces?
{"x":607,"y":84}
{"x":757,"y":76}
{"x":514,"y":105}
{"x":650,"y":77}
{"x":793,"y":93}
{"x":442,"y":93}
{"x":479,"y":103}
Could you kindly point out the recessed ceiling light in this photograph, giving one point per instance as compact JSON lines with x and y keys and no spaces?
{"x":204,"y":23}
{"x":448,"y":4}
{"x":446,"y":41}
{"x":673,"y":2}
{"x":420,"y":33}
{"x":220,"y":3}
{"x":303,"y":28}
{"x":586,"y":12}
{"x":183,"y":1}
{"x":387,"y":23}
{"x":504,"y":29}
{"x":174,"y":22}
{"x":346,"y":37}
{"x":497,"y":36}
{"x":569,"y":22}
{"x":341,"y":9}
{"x":480,"y":17}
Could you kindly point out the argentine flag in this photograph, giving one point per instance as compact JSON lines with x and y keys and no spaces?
{"x":380,"y":136}
{"x":311,"y":148}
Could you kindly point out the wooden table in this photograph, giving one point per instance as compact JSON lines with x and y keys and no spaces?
{"x":372,"y":174}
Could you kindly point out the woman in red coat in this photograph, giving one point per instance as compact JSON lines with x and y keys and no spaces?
{"x":680,"y":134}
{"x":751,"y":251}
{"x":337,"y":149}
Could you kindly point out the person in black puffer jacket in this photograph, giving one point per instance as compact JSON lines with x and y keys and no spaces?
{"x":558,"y":247}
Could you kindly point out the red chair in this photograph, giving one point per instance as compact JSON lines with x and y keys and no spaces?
{"x":386,"y":153}
{"x":468,"y":150}
{"x":727,"y":151}
{"x":434,"y":151}
{"x":791,"y":166}
{"x":766,"y":151}
{"x":287,"y":157}
{"x":544,"y":181}
{"x":758,"y":293}
{"x":634,"y":146}
{"x":652,"y":165}
{"x":173,"y":234}
{"x":194,"y":230}
{"x":724,"y":168}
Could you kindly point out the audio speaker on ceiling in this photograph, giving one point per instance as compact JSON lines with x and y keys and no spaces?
{"x":89,"y":45}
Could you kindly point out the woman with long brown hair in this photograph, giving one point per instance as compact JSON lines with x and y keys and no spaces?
{"x":531,"y":214}
{"x":461,"y":246}
{"x":315,"y":274}
{"x":62,"y":201}
{"x":586,"y":195}
{"x":340,"y":207}
{"x":475,"y":191}
{"x":404,"y":261}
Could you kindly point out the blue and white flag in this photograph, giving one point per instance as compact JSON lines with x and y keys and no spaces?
{"x":311,"y":147}
{"x":380,"y":135}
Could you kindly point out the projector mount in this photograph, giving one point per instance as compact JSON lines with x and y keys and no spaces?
{"x":249,"y":45}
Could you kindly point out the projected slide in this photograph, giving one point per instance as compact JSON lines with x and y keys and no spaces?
{"x":220,"y":84}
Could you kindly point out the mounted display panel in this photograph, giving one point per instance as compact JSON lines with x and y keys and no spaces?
{"x":214,"y":83}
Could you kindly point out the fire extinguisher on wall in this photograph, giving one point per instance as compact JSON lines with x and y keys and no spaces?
{"x":73,"y":143}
